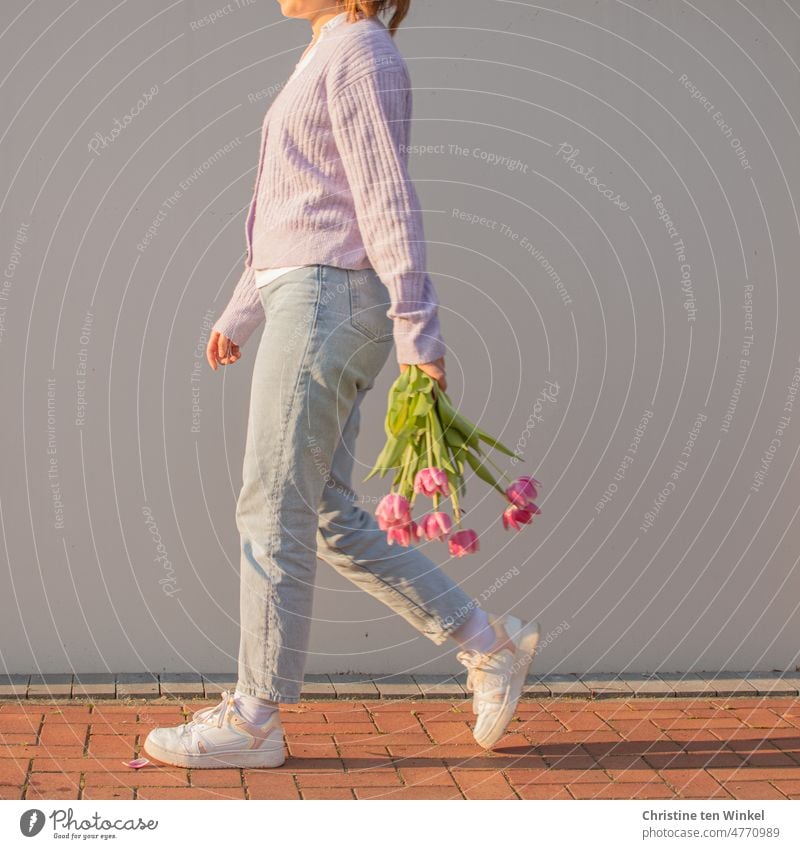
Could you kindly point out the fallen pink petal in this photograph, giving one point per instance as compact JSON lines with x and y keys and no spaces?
{"x":136,"y":763}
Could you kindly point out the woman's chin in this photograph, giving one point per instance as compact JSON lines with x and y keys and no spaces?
{"x":292,"y":9}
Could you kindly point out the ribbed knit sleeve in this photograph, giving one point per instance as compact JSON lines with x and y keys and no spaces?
{"x":244,"y":311}
{"x":370,"y":118}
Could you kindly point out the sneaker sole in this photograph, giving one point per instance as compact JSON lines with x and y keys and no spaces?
{"x":255,"y":759}
{"x":522,"y":662}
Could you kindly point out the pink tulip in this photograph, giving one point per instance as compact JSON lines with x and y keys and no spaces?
{"x":393,"y":511}
{"x":523,"y":491}
{"x":463,"y":542}
{"x":515,"y":515}
{"x":431,"y":481}
{"x":434,"y":526}
{"x":402,"y":536}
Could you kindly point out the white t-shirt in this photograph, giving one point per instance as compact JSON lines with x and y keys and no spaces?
{"x":267,"y":275}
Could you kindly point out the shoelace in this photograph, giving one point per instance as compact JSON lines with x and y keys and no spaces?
{"x":209,"y":716}
{"x":480,"y":672}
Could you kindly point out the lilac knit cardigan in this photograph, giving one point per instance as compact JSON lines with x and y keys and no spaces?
{"x":333,"y":187}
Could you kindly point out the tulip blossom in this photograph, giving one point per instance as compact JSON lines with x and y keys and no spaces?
{"x":393,"y":511}
{"x":432,"y":481}
{"x":463,"y":542}
{"x":402,"y":535}
{"x":434,"y":526}
{"x":515,"y":516}
{"x":523,"y":491}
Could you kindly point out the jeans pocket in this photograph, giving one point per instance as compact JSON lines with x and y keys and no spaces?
{"x":369,"y":302}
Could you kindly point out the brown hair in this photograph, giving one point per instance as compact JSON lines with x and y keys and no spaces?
{"x":370,"y":8}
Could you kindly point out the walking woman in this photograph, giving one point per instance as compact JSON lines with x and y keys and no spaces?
{"x":336,"y":267}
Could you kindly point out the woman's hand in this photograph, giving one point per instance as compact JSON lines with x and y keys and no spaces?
{"x":434,"y":370}
{"x":221,"y":350}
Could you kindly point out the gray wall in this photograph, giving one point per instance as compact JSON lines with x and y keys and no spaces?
{"x":625,"y":344}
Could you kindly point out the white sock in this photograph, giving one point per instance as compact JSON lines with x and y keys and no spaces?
{"x":254,"y":709}
{"x":476,"y":633}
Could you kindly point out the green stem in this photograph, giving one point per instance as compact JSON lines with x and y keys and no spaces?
{"x":436,"y":429}
{"x":429,"y":443}
{"x":429,"y":437}
{"x":406,"y":464}
{"x":413,"y":467}
{"x":456,"y":509}
{"x":502,"y":473}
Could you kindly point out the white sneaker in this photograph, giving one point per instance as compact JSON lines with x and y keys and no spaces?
{"x":496,"y":677}
{"x":219,"y":737}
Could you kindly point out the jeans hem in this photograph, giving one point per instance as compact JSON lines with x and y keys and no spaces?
{"x":270,"y":694}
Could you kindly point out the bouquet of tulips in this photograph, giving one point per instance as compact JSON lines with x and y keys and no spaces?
{"x":428,"y":446}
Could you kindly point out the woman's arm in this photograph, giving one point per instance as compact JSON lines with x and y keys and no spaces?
{"x":244,"y":311}
{"x":370,"y":118}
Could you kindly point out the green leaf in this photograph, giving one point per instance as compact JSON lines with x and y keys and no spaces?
{"x":402,"y":380}
{"x":482,"y":472}
{"x":389,"y":457}
{"x":472,"y":432}
{"x":454,"y":438}
{"x":423,"y":404}
{"x":419,"y":381}
{"x":495,"y":443}
{"x":454,"y":421}
{"x":397,"y":418}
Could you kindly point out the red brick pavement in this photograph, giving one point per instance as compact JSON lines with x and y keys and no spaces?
{"x":737,"y":748}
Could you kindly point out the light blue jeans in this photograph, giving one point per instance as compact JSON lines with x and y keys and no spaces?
{"x":325,"y":340}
